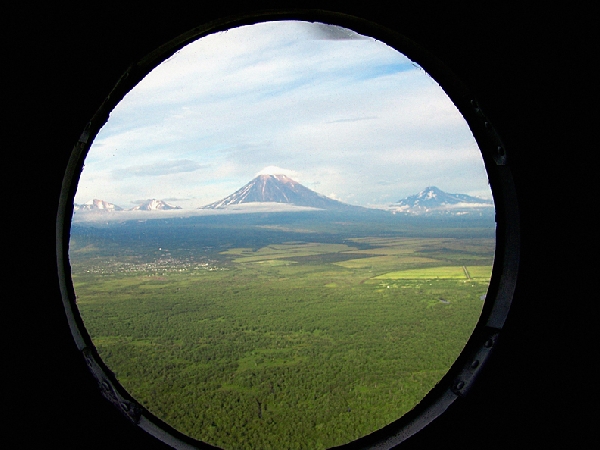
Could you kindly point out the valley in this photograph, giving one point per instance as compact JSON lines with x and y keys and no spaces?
{"x":309,"y":329}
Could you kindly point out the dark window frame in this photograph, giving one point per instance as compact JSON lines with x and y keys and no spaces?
{"x":463,"y":373}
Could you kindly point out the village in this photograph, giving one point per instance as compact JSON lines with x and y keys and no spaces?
{"x":160,"y":266}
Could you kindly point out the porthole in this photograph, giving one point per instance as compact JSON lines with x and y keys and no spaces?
{"x":248,"y":316}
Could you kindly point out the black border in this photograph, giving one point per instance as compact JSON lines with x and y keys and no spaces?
{"x":459,"y":379}
{"x":530,"y":67}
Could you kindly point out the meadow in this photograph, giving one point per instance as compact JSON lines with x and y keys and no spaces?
{"x":298,"y":343}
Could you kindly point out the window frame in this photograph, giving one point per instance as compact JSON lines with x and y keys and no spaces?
{"x":466,"y":369}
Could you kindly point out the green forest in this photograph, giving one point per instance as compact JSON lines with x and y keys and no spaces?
{"x":299,"y":344}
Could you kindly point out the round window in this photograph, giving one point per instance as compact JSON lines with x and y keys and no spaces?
{"x":284,"y":232}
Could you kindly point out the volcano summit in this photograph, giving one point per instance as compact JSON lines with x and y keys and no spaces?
{"x":278,"y":189}
{"x":434,"y":200}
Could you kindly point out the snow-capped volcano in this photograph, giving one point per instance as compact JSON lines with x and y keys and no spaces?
{"x":267,"y":188}
{"x":154,"y":205}
{"x":433,"y":199}
{"x":97,"y":205}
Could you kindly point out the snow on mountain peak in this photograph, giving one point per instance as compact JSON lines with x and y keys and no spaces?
{"x":434,"y":199}
{"x":154,"y":205}
{"x":96,"y":205}
{"x":279,"y":188}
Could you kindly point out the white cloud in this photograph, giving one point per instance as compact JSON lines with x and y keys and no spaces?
{"x":274,"y":170}
{"x":352,"y":116}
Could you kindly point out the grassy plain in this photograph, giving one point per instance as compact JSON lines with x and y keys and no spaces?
{"x":294,"y":343}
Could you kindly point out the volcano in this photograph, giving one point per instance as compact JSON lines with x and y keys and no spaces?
{"x":96,"y":205}
{"x":154,"y":205}
{"x":434,"y":200}
{"x":279,"y":189}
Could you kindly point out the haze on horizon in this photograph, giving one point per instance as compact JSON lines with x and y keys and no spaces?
{"x":343,"y":114}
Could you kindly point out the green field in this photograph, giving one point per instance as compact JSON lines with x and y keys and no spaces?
{"x":441,"y":272}
{"x":291,"y":344}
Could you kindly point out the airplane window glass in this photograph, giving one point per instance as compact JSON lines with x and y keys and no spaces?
{"x":283,"y":233}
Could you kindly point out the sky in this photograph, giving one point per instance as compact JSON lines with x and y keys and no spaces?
{"x":343,"y":114}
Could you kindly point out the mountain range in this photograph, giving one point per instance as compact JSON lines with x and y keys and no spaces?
{"x":101,"y":205}
{"x":96,"y":205}
{"x":278,"y":191}
{"x":154,"y":205}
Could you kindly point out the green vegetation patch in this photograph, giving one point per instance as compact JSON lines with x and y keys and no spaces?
{"x":446,"y":272}
{"x":275,"y":262}
{"x":480,"y":272}
{"x":287,"y":251}
{"x":378,"y":261}
{"x":442,"y":272}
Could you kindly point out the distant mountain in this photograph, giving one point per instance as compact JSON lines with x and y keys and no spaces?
{"x":154,"y":205}
{"x":97,"y":205}
{"x":278,"y":189}
{"x":434,"y":200}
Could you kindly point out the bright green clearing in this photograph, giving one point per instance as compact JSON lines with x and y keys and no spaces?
{"x":442,"y":272}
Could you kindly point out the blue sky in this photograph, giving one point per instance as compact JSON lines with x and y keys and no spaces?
{"x":343,"y":114}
